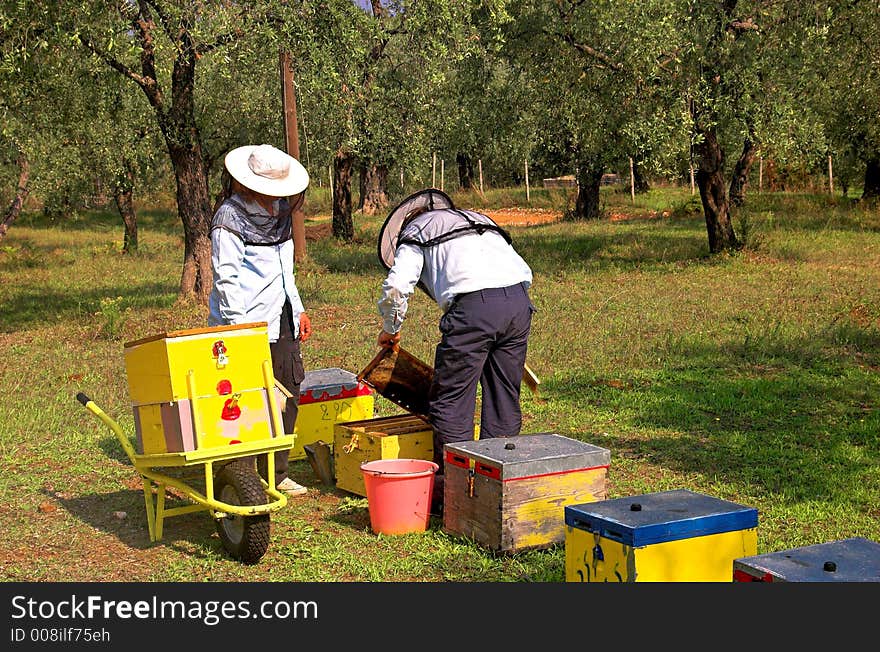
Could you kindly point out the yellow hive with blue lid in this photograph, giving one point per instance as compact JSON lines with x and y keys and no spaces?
{"x":668,"y":536}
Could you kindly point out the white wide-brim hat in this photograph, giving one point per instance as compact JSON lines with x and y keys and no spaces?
{"x":267,"y":170}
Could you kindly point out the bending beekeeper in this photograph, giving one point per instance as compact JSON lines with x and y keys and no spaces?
{"x":467,"y":264}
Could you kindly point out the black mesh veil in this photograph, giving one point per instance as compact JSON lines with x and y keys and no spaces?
{"x":430,"y":198}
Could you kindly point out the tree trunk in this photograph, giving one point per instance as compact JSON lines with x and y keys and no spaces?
{"x":362,"y":185}
{"x":21,"y":193}
{"x":741,"y":172}
{"x":465,"y":171}
{"x":123,"y":196}
{"x":713,"y":194}
{"x":194,"y":208}
{"x":343,"y":227}
{"x":586,"y":206}
{"x":871,"y":189}
{"x":640,"y":183}
{"x":374,"y":185}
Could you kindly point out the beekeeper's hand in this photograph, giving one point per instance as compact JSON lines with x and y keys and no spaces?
{"x":305,"y":327}
{"x":388,"y":340}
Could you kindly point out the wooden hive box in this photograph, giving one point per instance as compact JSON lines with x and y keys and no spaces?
{"x":201,"y":388}
{"x":508,"y":493}
{"x":327,"y":397}
{"x":849,"y":560}
{"x":668,"y":536}
{"x":382,"y":438}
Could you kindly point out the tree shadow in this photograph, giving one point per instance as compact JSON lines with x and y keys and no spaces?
{"x":782,"y":416}
{"x":27,"y":308}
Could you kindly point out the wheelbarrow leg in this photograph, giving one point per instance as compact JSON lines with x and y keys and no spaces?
{"x":160,"y":510}
{"x":148,"y":502}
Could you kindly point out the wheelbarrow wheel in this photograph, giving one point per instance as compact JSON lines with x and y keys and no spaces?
{"x":246,"y":538}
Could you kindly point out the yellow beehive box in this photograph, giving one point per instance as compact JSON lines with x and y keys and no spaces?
{"x":327,"y":397}
{"x":202,"y":388}
{"x":669,"y":536}
{"x":383,"y":438}
{"x":159,"y":367}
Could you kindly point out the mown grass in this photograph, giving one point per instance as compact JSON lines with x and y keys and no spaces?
{"x":751,"y":376}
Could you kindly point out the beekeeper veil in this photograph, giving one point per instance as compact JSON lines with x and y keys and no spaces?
{"x":428,"y":199}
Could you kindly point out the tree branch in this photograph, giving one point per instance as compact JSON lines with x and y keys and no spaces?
{"x":145,"y":5}
{"x":117,"y":65}
{"x":587,"y":50}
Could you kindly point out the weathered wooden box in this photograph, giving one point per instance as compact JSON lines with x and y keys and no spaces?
{"x":202,"y":388}
{"x":668,"y":536}
{"x":508,"y":493}
{"x":327,"y":397}
{"x":382,"y":438}
{"x":849,"y":560}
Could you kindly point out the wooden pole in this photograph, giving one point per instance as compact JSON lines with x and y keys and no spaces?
{"x":442,"y":172}
{"x":760,"y":174}
{"x":434,"y":170}
{"x":527,"y":180}
{"x":830,"y":177}
{"x":632,"y":180}
{"x":291,"y":145}
{"x":480,"y":167}
{"x":330,"y":178}
{"x":692,"y":178}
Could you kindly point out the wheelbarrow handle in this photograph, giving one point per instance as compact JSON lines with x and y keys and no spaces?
{"x":110,"y":423}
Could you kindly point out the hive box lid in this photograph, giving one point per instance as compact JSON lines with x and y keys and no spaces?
{"x":529,"y":455}
{"x":848,"y":560}
{"x":663,"y":516}
{"x":330,"y":384}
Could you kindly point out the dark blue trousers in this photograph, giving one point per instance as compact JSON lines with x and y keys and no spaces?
{"x":484,"y":340}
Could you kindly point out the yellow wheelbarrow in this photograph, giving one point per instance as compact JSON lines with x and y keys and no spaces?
{"x":206,"y":405}
{"x":234,"y":492}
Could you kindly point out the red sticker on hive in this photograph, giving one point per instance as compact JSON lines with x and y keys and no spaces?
{"x":231,"y":411}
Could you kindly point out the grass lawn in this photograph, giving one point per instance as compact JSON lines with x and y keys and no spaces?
{"x":750,"y":376}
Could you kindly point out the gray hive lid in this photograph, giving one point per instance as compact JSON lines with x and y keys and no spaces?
{"x":326,"y":384}
{"x":529,"y":455}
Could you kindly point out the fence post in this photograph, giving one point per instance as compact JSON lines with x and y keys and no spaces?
{"x":830,"y":177}
{"x":528,"y":198}
{"x":434,"y":170}
{"x":480,"y":166}
{"x":632,"y":181}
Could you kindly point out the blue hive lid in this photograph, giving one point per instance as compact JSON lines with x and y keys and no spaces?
{"x":663,"y":516}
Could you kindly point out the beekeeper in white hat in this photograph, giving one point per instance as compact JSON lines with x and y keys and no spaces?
{"x":252,"y":259}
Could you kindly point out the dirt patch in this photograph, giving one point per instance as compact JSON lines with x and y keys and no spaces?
{"x":318,"y":231}
{"x":509,"y":217}
{"x":523,"y":216}
{"x":501,"y":216}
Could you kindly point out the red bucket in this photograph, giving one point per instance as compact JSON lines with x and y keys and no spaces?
{"x":399,"y":494}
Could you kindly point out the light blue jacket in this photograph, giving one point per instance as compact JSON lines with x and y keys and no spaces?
{"x":252,"y":260}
